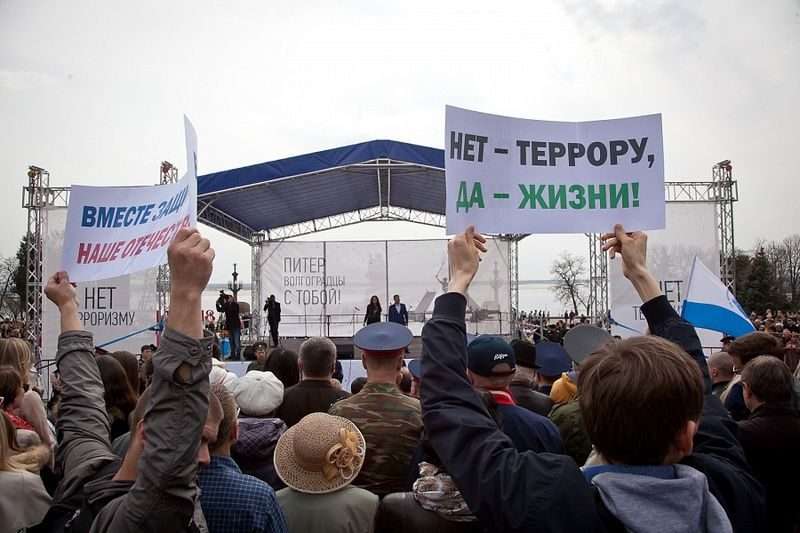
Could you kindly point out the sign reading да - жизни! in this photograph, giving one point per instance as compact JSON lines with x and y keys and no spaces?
{"x":511,"y":175}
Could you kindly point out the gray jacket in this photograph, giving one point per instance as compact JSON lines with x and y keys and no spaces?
{"x":163,"y":496}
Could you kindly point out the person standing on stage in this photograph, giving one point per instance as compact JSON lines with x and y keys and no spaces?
{"x":273,"y":309}
{"x":373,"y":311}
{"x":397,"y":312}
{"x":233,"y":324}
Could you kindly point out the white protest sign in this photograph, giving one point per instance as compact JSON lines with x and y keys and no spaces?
{"x":117,"y":311}
{"x":113,"y":231}
{"x":191,"y":147}
{"x":511,"y":175}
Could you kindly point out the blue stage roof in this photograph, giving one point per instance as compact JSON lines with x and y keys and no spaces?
{"x":307,"y":187}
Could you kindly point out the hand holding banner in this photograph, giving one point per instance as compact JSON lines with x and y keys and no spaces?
{"x":510,"y":175}
{"x":113,"y":231}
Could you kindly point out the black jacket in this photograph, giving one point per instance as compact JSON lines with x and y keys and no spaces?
{"x":771,"y":442}
{"x":232,"y":320}
{"x":308,"y":396}
{"x":543,"y":492}
{"x":273,"y":311}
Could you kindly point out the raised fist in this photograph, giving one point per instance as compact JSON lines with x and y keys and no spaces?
{"x":60,"y":291}
{"x":190,"y":262}
{"x":464,"y":253}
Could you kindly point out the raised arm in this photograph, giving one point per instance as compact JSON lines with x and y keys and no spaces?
{"x":507,"y":490}
{"x":716,"y":433}
{"x":662,"y":319}
{"x":163,"y":496}
{"x":82,"y":427}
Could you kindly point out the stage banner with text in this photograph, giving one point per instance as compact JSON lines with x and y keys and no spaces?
{"x":111,"y":309}
{"x":691,"y":231}
{"x":324,"y":287}
{"x":512,"y":175}
{"x":114,"y":231}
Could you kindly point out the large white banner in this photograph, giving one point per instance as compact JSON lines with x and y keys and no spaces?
{"x":691,"y":231}
{"x":512,"y":175}
{"x":110,"y":309}
{"x":114,"y":231}
{"x":324,"y":287}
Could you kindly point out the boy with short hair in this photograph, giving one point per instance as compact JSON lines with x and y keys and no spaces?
{"x":674,"y":463}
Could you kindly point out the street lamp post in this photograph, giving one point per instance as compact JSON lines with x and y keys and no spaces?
{"x":234,"y":286}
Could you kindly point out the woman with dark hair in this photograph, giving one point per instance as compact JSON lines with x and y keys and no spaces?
{"x":373,"y":311}
{"x":283,"y":363}
{"x":119,"y":396}
{"x":130,"y":364}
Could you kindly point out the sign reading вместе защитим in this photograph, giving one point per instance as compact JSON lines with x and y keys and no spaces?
{"x":511,"y":175}
{"x":115,"y":231}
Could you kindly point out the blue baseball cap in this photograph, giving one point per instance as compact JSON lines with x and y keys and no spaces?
{"x":552,"y":359}
{"x":383,"y":337}
{"x":415,"y":367}
{"x":486,"y":353}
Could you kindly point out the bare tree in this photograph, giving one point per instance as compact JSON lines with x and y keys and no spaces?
{"x":791,"y":248}
{"x":9,"y":302}
{"x":784,"y":257}
{"x":571,"y":286}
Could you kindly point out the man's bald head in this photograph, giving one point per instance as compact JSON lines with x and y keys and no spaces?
{"x":720,"y":367}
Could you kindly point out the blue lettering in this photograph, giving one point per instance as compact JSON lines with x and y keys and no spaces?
{"x":120,"y":212}
{"x":88,"y":218}
{"x":130,"y":216}
{"x":105,"y":216}
{"x":146,"y":213}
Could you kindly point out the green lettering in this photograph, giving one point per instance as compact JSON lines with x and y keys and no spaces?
{"x":477,"y":196}
{"x":557,"y":196}
{"x":619,"y":195}
{"x":527,"y":196}
{"x":462,"y":201}
{"x":579,"y":202}
{"x":597,"y":196}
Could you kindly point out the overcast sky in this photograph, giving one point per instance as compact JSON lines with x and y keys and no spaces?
{"x":94,"y":91}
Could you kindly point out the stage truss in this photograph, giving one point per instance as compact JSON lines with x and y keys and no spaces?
{"x":722,"y":190}
{"x":37,"y":195}
{"x":168,"y":174}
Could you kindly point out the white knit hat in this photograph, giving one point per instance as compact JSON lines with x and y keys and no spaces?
{"x":258,"y":393}
{"x":219,"y":375}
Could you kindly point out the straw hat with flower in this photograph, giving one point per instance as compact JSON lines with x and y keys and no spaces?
{"x":321,"y":453}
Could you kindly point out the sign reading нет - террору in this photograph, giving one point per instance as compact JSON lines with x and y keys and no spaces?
{"x":511,"y":175}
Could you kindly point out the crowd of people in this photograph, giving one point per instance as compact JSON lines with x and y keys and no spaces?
{"x":11,"y":329}
{"x":577,"y":431}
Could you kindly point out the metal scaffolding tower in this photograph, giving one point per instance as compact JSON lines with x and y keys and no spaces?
{"x":169,"y":174}
{"x":255,"y":294}
{"x":36,"y":196}
{"x":722,"y":190}
{"x":513,"y":277}
{"x":598,"y":280}
{"x":727,"y":191}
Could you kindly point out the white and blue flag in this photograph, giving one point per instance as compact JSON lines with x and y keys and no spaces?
{"x":710,"y":305}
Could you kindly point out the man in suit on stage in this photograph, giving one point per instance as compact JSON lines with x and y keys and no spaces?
{"x":397,"y":312}
{"x":273,"y":309}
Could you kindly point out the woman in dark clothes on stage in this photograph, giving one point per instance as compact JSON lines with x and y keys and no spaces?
{"x":373,"y":311}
